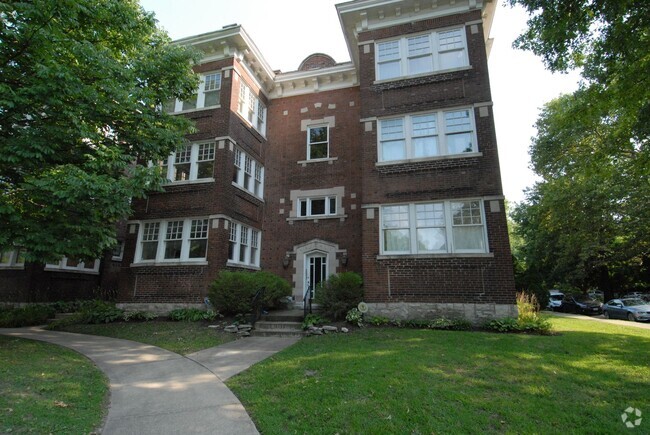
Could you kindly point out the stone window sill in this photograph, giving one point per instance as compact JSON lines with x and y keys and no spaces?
{"x":429,"y":256}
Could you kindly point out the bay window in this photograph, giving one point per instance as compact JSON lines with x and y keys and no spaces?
{"x":433,"y":228}
{"x":172,"y":241}
{"x":421,"y":54}
{"x":191,"y":162}
{"x":251,"y":108}
{"x":440,"y":133}
{"x":207,"y":95}
{"x":243,"y":247}
{"x":248,"y":173}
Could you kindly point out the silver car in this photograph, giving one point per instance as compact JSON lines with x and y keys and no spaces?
{"x":632,"y":309}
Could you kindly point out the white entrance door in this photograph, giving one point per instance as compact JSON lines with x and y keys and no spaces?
{"x":316,"y":271}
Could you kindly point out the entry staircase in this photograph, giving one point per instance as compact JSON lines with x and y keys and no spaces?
{"x":285,"y":323}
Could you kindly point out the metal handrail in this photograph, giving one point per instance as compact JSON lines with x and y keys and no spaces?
{"x":307,"y":301}
{"x":257,"y":306}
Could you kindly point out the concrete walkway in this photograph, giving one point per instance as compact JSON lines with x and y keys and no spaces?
{"x":154,"y":391}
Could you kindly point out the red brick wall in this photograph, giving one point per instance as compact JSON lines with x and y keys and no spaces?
{"x":288,"y":145}
{"x":436,"y":279}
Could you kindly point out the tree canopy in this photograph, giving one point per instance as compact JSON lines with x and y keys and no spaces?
{"x":81,"y":82}
{"x":585,"y":224}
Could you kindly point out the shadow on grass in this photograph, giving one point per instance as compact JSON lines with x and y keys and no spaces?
{"x":390,"y":380}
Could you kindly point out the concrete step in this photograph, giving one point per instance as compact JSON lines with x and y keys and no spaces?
{"x":289,"y":326}
{"x":257,"y":332}
{"x":283,"y":316}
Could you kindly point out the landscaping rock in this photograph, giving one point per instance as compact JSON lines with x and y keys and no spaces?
{"x":244,"y":333}
{"x":214,"y":326}
{"x":316,"y":331}
{"x":245,"y":327}
{"x":345,"y":330}
{"x":231,"y":328}
{"x":330,"y":328}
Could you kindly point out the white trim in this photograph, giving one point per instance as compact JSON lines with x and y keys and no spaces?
{"x":434,"y":53}
{"x":428,"y":159}
{"x":441,"y":135}
{"x":161,"y":240}
{"x":200,"y":95}
{"x":62,"y":266}
{"x":13,"y":264}
{"x":448,"y":227}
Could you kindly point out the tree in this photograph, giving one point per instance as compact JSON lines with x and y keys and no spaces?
{"x":580,"y":223}
{"x":586,"y":222}
{"x":81,"y":82}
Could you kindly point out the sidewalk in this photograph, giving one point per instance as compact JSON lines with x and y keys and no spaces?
{"x":154,"y":391}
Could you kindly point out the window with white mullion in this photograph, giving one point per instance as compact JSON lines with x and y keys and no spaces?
{"x":421,"y":54}
{"x":233,"y":245}
{"x":452,"y":51}
{"x":430,"y":228}
{"x":173,"y":242}
{"x":325,"y":206}
{"x":244,"y":254}
{"x":248,"y":173}
{"x":392,"y":139}
{"x":433,"y":134}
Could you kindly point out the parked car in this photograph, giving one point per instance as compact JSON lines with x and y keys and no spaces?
{"x":555,"y":299}
{"x":597,"y":295}
{"x":581,"y":304}
{"x":632,"y":309}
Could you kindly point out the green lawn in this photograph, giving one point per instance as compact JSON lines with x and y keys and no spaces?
{"x":422,"y":381}
{"x":45,"y":388}
{"x":179,"y":337}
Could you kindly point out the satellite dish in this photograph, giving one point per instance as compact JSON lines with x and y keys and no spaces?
{"x":362,"y":307}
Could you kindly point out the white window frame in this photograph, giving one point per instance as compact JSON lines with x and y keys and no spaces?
{"x":249,"y":173}
{"x":449,"y":226}
{"x":245,"y":242}
{"x":63,"y":266}
{"x":326,"y":142}
{"x":402,"y":56}
{"x":14,"y":256}
{"x":161,"y":241}
{"x":251,"y":108}
{"x":308,"y":201}
{"x":201,"y":93}
{"x":442,"y":133}
{"x":119,"y":249}
{"x":196,"y":156}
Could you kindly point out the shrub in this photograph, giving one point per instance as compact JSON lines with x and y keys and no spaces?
{"x":27,"y":316}
{"x":233,"y":292}
{"x":355,"y":316}
{"x":143,"y":316}
{"x":450,"y":324}
{"x":527,"y":305}
{"x":192,"y":315}
{"x":378,"y":320}
{"x":312,"y":320}
{"x":102,"y":312}
{"x":339,"y":294}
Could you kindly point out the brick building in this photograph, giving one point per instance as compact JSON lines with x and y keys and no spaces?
{"x":385,"y":165}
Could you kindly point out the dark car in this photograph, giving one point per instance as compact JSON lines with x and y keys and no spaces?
{"x":581,"y":304}
{"x":632,"y":309}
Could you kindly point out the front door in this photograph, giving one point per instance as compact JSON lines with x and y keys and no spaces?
{"x":316,"y":271}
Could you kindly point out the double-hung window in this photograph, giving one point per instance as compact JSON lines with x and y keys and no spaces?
{"x":244,"y":244}
{"x":325,"y":206}
{"x":251,"y":108}
{"x":248,"y":173}
{"x":14,"y":259}
{"x":433,"y":228}
{"x":318,"y":142}
{"x":191,"y":162}
{"x":441,"y":133}
{"x":173,"y":241}
{"x":421,"y":54}
{"x":207,"y":95}
{"x":70,"y":265}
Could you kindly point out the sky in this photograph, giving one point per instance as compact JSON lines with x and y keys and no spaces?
{"x":286,"y":32}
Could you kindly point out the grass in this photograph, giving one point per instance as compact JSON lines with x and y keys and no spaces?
{"x":419,"y":381}
{"x":45,"y":388}
{"x":180,"y":337}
